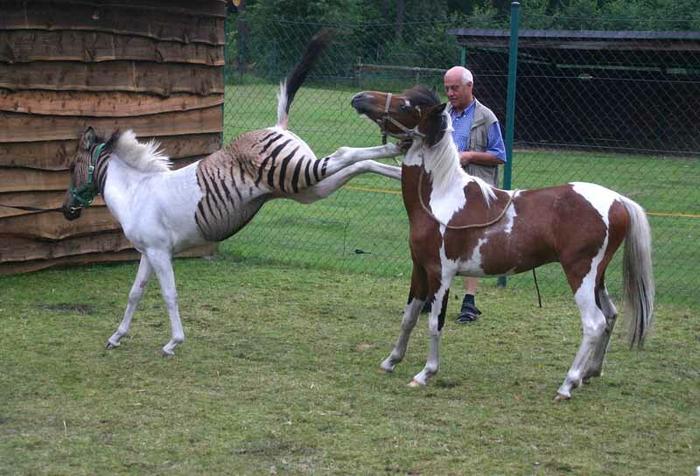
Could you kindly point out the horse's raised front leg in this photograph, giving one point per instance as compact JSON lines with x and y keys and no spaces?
{"x":332,"y":183}
{"x":346,"y":156}
{"x":436,"y":321}
{"x":137,"y":290}
{"x":416,"y":299}
{"x":163,"y":267}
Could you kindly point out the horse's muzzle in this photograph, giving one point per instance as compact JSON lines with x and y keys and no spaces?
{"x":362,"y":103}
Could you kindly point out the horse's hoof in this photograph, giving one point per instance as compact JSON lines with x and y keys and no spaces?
{"x":561,"y":397}
{"x":167,"y":353}
{"x":383,"y":370}
{"x":111,"y":345}
{"x":416,"y":384}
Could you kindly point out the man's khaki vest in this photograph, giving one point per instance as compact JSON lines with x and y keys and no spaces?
{"x":478,"y":142}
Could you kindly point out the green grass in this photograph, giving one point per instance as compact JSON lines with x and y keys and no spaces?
{"x":368,"y":214}
{"x":279,"y":375}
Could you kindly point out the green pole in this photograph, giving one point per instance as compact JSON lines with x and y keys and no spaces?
{"x":510,"y":101}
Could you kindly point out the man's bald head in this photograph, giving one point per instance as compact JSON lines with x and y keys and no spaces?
{"x":460,"y":74}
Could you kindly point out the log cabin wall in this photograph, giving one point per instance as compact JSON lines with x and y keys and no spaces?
{"x":154,"y":66}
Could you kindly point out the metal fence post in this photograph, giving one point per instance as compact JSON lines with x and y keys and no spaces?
{"x":510,"y":102}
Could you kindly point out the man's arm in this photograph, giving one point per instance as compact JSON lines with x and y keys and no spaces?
{"x":495,"y":153}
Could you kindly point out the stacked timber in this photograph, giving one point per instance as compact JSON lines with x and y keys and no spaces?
{"x":154,"y":66}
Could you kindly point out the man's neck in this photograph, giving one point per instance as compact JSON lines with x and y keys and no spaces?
{"x":461,"y":110}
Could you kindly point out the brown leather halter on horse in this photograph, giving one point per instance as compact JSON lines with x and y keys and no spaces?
{"x":459,"y":225}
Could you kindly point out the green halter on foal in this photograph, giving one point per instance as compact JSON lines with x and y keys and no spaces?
{"x":87,"y":192}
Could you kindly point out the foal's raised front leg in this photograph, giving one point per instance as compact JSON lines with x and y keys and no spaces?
{"x":137,"y":289}
{"x":163,"y":267}
{"x":332,"y":183}
{"x":346,"y":156}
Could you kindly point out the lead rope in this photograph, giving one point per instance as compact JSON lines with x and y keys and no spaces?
{"x":537,"y":288}
{"x":454,"y":227}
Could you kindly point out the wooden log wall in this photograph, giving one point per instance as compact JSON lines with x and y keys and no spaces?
{"x":154,"y":66}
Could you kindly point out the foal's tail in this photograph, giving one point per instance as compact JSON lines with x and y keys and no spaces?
{"x":290,"y":86}
{"x":637,"y":274}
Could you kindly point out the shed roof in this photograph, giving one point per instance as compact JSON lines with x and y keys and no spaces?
{"x":665,"y":49}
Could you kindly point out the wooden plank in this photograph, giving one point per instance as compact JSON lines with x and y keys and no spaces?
{"x":110,"y":257}
{"x":57,"y":154}
{"x":16,"y":181}
{"x":166,"y":24}
{"x":125,"y":76}
{"x":53,"y":225}
{"x":38,"y":199}
{"x":22,"y":46}
{"x":31,"y":128}
{"x":15,"y":248}
{"x":101,"y":104}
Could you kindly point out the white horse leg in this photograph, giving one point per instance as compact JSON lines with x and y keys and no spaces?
{"x":410,"y":317}
{"x":610,"y":312}
{"x":333,"y":182}
{"x":346,"y":156}
{"x":163,"y":267}
{"x":594,"y":326}
{"x":137,"y":290}
{"x":435,"y":321}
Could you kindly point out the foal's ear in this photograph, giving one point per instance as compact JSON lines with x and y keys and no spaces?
{"x":87,"y":138}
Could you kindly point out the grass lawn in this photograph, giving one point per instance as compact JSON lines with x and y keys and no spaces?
{"x":279,"y":375}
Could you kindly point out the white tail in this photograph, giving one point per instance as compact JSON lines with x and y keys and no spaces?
{"x":637,"y":275}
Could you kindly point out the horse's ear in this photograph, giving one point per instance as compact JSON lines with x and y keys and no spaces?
{"x":87,"y":138}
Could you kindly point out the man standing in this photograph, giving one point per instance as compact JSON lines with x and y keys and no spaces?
{"x":481,"y":150}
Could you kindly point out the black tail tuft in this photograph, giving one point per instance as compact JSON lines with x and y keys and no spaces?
{"x":313,"y":50}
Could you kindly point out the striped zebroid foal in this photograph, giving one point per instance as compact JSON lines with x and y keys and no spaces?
{"x":164,"y":211}
{"x":459,"y":225}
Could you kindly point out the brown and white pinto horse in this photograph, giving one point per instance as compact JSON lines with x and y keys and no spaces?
{"x":459,"y":225}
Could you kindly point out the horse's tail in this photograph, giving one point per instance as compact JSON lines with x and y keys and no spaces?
{"x":637,"y":274}
{"x":290,"y":86}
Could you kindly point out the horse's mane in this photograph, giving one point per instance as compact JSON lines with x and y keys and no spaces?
{"x":421,"y":96}
{"x":445,"y":166}
{"x":146,"y":157}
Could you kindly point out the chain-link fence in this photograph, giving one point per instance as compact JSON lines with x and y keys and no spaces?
{"x":620,"y":110}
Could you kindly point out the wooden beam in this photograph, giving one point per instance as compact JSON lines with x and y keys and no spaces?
{"x":124,"y":76}
{"x":32,"y":128}
{"x":108,"y":257}
{"x":101,"y":104}
{"x":184,"y":26}
{"x":22,"y":46}
{"x":57,"y":154}
{"x":53,"y":226}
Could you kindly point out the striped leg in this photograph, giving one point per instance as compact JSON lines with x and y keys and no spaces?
{"x":137,"y":290}
{"x":346,"y":156}
{"x":332,"y":183}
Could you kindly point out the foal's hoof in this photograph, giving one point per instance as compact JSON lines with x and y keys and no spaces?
{"x":167,"y":353}
{"x":415,"y":384}
{"x":111,"y":345}
{"x":561,"y":397}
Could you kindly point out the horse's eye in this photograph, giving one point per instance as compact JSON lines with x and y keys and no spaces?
{"x":405,"y":108}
